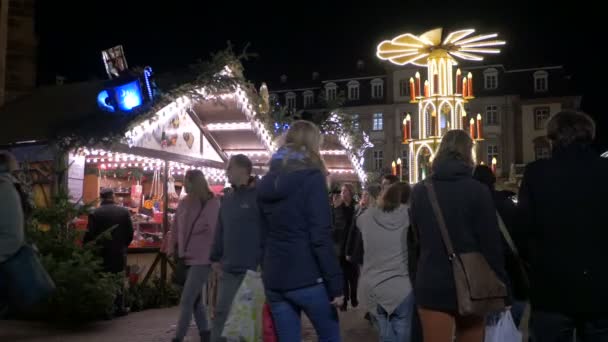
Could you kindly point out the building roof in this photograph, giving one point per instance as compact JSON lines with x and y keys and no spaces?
{"x":52,"y":111}
{"x":43,"y":113}
{"x":334,"y":73}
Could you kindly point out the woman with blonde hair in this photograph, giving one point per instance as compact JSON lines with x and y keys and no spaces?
{"x":470,"y":220}
{"x":301,"y":270}
{"x":192,"y":237}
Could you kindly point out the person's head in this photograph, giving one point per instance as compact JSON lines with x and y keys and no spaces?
{"x":405,"y":192}
{"x":455,"y":145}
{"x":8,"y":162}
{"x":570,"y":128}
{"x":197,"y":186}
{"x":364,"y":201}
{"x":369,"y":197}
{"x":239,"y":170}
{"x":304,"y":136}
{"x":347,"y":192}
{"x":484,"y":175}
{"x":390,"y":199}
{"x":388,"y":180}
{"x":107,"y":196}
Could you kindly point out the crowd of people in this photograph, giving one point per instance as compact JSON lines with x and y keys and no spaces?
{"x":434,"y":262}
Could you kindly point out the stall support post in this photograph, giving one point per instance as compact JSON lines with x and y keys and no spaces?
{"x":163,"y":263}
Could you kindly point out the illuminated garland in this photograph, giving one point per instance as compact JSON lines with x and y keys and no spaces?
{"x":331,"y":121}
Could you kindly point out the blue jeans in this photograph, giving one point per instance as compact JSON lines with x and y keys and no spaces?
{"x":396,"y":327}
{"x":191,"y":303}
{"x":287,"y":306}
{"x":555,"y":327}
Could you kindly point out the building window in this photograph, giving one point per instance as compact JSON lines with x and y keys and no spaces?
{"x":541,"y":115}
{"x":490,"y":77}
{"x":491,"y":118}
{"x":405,"y":163}
{"x":492,"y":153}
{"x":356,"y":126}
{"x":541,"y":81}
{"x":308,"y":98}
{"x":291,"y":100}
{"x":378,"y":160}
{"x":353,"y":90}
{"x":378,"y":123}
{"x":377,"y":88}
{"x":331,"y":91}
{"x":404,"y":88}
{"x":542,"y":148}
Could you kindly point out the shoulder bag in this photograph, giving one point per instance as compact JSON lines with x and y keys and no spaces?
{"x":478,"y":289}
{"x":517,"y":269}
{"x":180,"y":272}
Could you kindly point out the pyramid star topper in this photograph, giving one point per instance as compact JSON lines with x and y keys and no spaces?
{"x":410,"y":49}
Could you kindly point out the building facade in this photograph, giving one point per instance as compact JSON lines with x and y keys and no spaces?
{"x":17,"y":49}
{"x":515,"y":105}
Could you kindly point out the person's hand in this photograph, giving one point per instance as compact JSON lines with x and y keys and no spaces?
{"x":349,"y":258}
{"x":217,"y":268}
{"x":338,"y":301}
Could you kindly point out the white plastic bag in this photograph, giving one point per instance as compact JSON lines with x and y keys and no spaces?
{"x":244,"y":321}
{"x":502,"y":329}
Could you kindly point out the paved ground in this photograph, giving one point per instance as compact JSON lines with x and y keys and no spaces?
{"x":153,"y":326}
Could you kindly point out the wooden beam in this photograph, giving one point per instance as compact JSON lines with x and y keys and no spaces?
{"x":208,"y":135}
{"x":164,"y":155}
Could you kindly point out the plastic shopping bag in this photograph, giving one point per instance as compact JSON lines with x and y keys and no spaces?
{"x":270,"y":335}
{"x":502,"y":328}
{"x":244,"y":321}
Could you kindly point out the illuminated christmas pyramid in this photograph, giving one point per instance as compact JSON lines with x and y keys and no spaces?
{"x":442,"y":96}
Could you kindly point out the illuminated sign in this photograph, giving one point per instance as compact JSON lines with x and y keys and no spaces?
{"x":123,"y":97}
{"x":128,"y":96}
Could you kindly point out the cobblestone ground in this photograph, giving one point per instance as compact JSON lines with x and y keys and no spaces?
{"x":154,"y":326}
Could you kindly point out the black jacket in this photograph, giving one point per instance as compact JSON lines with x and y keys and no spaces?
{"x":354,"y":240}
{"x":114,"y":251}
{"x":298,"y":248}
{"x":342,"y":223}
{"x":471,"y":221}
{"x":562,"y":202}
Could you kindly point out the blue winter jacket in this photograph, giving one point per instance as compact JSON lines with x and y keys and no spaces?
{"x":298,"y":248}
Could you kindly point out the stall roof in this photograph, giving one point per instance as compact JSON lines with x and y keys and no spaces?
{"x":51,"y":111}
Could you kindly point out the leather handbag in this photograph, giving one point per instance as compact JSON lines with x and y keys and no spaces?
{"x":478,"y":289}
{"x":27,"y":282}
{"x":180,"y":273}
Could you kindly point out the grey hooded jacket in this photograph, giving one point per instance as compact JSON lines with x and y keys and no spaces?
{"x":385,"y":272}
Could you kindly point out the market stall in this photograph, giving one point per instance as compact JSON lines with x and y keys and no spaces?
{"x":139,"y":135}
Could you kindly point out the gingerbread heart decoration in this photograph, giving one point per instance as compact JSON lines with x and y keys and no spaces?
{"x":189,"y":139}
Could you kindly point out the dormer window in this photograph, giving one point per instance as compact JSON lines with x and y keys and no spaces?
{"x":541,"y":81}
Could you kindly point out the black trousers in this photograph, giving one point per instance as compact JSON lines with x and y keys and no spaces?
{"x":351,"y":280}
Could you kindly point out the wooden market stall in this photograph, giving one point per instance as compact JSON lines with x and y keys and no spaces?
{"x":141,"y":153}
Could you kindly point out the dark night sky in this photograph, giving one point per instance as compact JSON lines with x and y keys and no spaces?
{"x":297,"y":37}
